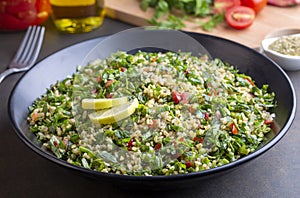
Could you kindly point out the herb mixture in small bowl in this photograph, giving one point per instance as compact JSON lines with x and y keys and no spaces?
{"x":153,"y":114}
{"x":284,"y":48}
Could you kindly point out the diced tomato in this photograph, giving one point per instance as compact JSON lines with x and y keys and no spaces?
{"x":268,"y":121}
{"x":157,"y":146}
{"x":176,"y":97}
{"x":122,"y":69}
{"x":34,"y":117}
{"x":188,"y":164}
{"x":108,"y":83}
{"x":240,"y":17}
{"x":56,"y":144}
{"x":220,"y":6}
{"x":99,"y":79}
{"x":185,"y":98}
{"x":198,"y":139}
{"x":256,"y":5}
{"x":130,"y":144}
{"x":192,"y":110}
{"x":181,"y":139}
{"x":206,"y":116}
{"x":182,"y":98}
{"x":234,"y":129}
{"x":153,"y":125}
{"x":109,"y":95}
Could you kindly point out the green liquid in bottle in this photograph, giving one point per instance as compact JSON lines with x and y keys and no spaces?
{"x":79,"y":17}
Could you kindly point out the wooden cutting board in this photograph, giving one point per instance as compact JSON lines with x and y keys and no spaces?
{"x":268,"y":20}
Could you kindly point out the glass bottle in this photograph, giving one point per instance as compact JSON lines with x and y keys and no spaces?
{"x":77,"y":16}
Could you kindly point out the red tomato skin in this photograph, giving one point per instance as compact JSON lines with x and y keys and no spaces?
{"x":157,"y":146}
{"x":268,"y":121}
{"x":221,"y":6}
{"x":234,"y":129}
{"x":256,"y":5}
{"x":15,"y":7}
{"x":184,"y":98}
{"x":43,"y":11}
{"x":9,"y":22}
{"x":242,"y":22}
{"x":176,"y":97}
{"x":19,"y":14}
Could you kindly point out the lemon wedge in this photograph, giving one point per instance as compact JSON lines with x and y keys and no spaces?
{"x":114,"y":114}
{"x":102,"y":103}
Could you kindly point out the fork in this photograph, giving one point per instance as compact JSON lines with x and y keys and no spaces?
{"x":27,"y":53}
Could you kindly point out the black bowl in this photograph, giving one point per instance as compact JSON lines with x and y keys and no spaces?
{"x":64,"y":63}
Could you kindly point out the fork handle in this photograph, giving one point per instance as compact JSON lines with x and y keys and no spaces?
{"x":8,"y":72}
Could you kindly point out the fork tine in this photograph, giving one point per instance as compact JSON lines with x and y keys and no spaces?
{"x":38,"y":44}
{"x":27,"y":53}
{"x":31,"y":44}
{"x":23,"y":45}
{"x":35,"y":46}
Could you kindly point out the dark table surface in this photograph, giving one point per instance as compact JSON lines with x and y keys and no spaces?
{"x":23,"y":173}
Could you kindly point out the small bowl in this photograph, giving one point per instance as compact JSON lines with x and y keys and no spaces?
{"x":287,"y":62}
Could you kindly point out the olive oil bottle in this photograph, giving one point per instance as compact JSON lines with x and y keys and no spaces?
{"x":77,"y":16}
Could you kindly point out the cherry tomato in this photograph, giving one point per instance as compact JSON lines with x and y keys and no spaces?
{"x":43,"y":11}
{"x":19,"y":14}
{"x":256,"y":5}
{"x":240,"y":17}
{"x":221,"y":6}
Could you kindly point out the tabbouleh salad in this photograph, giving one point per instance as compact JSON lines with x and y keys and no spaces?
{"x":192,"y":114}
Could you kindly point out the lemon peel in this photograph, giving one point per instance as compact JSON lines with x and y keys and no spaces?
{"x":102,"y":103}
{"x":114,"y":114}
